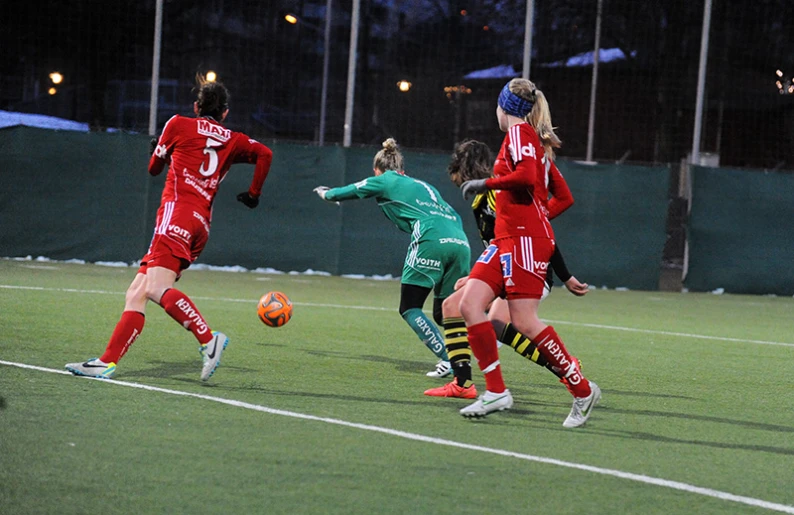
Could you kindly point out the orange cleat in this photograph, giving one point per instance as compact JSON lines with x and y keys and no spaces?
{"x":453,"y":390}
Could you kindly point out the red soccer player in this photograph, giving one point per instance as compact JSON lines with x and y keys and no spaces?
{"x":516,"y":262}
{"x":472,"y":160}
{"x":199,"y":152}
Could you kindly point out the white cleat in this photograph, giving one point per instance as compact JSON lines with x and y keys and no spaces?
{"x":488,"y":403}
{"x":583,"y":407}
{"x":443,"y":369}
{"x":94,"y":367}
{"x":211,"y":354}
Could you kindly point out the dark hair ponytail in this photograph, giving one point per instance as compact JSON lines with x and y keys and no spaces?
{"x":213,"y":97}
{"x":471,"y":159}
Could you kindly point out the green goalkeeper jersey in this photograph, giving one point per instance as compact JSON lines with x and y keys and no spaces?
{"x":439,"y":253}
{"x":406,"y":201}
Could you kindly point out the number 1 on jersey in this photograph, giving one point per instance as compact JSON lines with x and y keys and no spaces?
{"x":487,"y":254}
{"x":507,"y":264}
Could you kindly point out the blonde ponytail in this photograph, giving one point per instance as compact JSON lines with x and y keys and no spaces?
{"x":540,"y":115}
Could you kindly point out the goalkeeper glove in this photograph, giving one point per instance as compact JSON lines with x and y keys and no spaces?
{"x":321,"y":191}
{"x":473,"y":187}
{"x":249,"y":200}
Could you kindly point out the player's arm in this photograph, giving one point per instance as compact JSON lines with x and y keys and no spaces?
{"x":370,"y":187}
{"x":162,"y":149}
{"x":526,"y":157}
{"x":253,"y":152}
{"x":561,"y":198}
{"x":522,"y":178}
{"x":558,"y":264}
{"x":561,"y":269}
{"x":526,"y":163}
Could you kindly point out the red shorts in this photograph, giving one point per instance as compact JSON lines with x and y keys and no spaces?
{"x":520,"y":270}
{"x":180,"y":235}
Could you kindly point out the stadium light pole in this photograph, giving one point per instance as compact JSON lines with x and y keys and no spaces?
{"x":704,"y":56}
{"x":528,"y":38}
{"x":158,"y":38}
{"x":326,"y":59}
{"x":594,"y":82}
{"x":351,"y":72}
{"x":294,"y":20}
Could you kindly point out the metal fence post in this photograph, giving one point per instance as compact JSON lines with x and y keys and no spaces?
{"x":704,"y":57}
{"x":351,"y":72}
{"x":594,"y":83}
{"x":528,"y":38}
{"x":326,"y":59}
{"x":158,"y":38}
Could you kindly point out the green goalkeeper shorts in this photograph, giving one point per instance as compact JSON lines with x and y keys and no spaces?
{"x":437,"y":262}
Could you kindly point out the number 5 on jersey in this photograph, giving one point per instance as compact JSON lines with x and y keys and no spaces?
{"x":213,"y":164}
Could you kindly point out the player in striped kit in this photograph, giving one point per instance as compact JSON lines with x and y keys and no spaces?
{"x":199,"y":152}
{"x":439,"y":252}
{"x":472,"y":160}
{"x":516,"y":262}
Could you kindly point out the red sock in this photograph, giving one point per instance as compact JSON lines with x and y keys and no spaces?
{"x":181,"y":308}
{"x":482,"y":340}
{"x":127,"y":330}
{"x":551,"y":346}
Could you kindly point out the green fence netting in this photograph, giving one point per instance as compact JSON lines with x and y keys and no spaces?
{"x":88,"y":196}
{"x":741,"y":231}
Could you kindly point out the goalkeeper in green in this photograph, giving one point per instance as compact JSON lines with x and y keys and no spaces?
{"x":438,"y":254}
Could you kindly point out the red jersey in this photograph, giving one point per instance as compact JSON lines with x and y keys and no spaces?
{"x":561,"y":197}
{"x":199,"y":152}
{"x":520,"y":181}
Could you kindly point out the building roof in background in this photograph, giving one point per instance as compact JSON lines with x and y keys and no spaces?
{"x":12,"y":119}
{"x":605,"y":55}
{"x":503,"y":71}
{"x":506,"y":71}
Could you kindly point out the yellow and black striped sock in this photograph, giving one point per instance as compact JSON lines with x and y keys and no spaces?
{"x":456,"y":338}
{"x":524,"y":346}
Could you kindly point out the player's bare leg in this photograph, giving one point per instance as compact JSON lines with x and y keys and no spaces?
{"x":477,"y":296}
{"x":127,"y":330}
{"x":457,"y":344}
{"x":523,"y":313}
{"x":160,"y":289}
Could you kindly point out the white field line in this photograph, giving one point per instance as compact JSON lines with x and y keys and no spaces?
{"x":675,"y":485}
{"x":376,"y":308}
{"x":670,"y":333}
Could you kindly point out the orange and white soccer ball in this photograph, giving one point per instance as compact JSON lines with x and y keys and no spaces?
{"x":274,"y":309}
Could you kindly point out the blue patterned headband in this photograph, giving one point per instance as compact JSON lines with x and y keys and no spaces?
{"x":513,"y":104}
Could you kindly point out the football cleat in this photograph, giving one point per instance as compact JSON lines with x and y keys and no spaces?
{"x":453,"y":390}
{"x":488,"y":403}
{"x":443,"y":369}
{"x":583,"y":407}
{"x":211,"y":354}
{"x":94,"y":367}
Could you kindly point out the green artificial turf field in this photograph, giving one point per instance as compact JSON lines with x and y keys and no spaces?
{"x":327,"y":414}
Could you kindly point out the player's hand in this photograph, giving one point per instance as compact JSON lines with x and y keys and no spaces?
{"x":460,"y":283}
{"x":249,"y":200}
{"x":321,"y":191}
{"x":577,"y":288}
{"x":152,"y":146}
{"x":471,"y":188}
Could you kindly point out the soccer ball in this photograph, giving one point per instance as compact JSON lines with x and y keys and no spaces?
{"x":274,"y":309}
